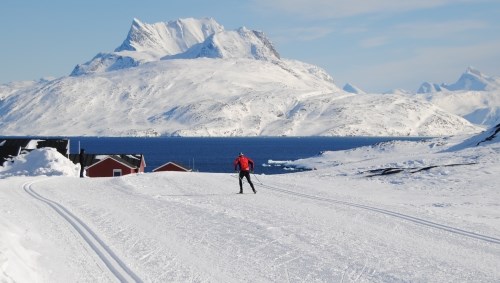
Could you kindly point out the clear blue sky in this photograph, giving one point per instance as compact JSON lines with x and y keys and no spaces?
{"x":375,"y":45}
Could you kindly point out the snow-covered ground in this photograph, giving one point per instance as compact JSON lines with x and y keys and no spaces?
{"x":348,"y":220}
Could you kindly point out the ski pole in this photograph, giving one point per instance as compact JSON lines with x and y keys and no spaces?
{"x":256,"y":178}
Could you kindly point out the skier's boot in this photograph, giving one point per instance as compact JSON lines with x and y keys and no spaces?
{"x":254,"y":191}
{"x":241,"y":191}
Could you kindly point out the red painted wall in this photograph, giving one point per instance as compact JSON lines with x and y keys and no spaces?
{"x":105,"y":168}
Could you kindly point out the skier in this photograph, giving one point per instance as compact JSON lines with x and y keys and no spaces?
{"x":81,"y":159}
{"x":246,"y":166}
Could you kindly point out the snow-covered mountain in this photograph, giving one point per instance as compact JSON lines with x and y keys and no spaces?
{"x":193,"y":78}
{"x":352,"y":89}
{"x":474,"y":96}
{"x":149,"y":42}
{"x":427,"y":87}
{"x":471,"y":79}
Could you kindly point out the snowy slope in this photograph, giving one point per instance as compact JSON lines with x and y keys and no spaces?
{"x":333,"y":224}
{"x":241,"y":43}
{"x":474,"y":96}
{"x":478,"y":107}
{"x":353,"y":89}
{"x":186,"y":98}
{"x":487,"y":137}
{"x":193,"y":78}
{"x":202,"y":96}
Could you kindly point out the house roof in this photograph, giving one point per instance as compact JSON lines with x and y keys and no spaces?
{"x":60,"y":145}
{"x":129,"y":160}
{"x":11,"y":147}
{"x":173,"y":163}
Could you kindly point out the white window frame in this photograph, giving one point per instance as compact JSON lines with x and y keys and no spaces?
{"x":119,"y":171}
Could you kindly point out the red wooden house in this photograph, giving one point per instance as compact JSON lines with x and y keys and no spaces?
{"x":111,"y":165}
{"x":171,"y":166}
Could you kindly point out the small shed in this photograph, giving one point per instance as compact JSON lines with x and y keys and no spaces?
{"x":111,"y":165}
{"x":171,"y":166}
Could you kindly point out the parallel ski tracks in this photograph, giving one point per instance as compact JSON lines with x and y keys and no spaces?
{"x":402,"y":216}
{"x":116,"y":266}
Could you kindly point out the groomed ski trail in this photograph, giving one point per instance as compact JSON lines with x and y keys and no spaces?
{"x":389,"y":213}
{"x":110,"y":260}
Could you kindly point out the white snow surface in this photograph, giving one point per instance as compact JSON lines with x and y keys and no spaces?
{"x":241,"y":43}
{"x":353,"y":89}
{"x":332,"y":224}
{"x":45,"y":161}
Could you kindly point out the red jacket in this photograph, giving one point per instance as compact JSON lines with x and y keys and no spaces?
{"x":245,"y":163}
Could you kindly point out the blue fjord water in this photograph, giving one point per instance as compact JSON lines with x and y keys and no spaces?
{"x":217,"y":154}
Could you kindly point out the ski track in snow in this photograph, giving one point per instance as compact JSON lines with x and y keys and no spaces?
{"x":107,"y":256}
{"x":390,"y":213}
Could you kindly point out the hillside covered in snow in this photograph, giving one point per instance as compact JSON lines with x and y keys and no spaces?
{"x":474,"y":96}
{"x":192,"y":77}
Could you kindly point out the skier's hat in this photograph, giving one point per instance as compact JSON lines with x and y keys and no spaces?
{"x":241,"y":154}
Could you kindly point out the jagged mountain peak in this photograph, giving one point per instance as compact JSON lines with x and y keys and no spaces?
{"x":167,"y":38}
{"x":183,"y":38}
{"x":473,"y":71}
{"x":240,"y":43}
{"x":471,"y":79}
{"x":473,"y":96}
{"x":428,"y":87}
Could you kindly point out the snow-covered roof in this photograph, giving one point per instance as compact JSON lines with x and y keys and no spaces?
{"x":173,"y":164}
{"x":129,"y":160}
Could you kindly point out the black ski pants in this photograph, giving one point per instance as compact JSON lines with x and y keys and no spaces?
{"x":246,"y":174}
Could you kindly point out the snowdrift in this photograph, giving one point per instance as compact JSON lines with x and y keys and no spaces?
{"x":45,"y":161}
